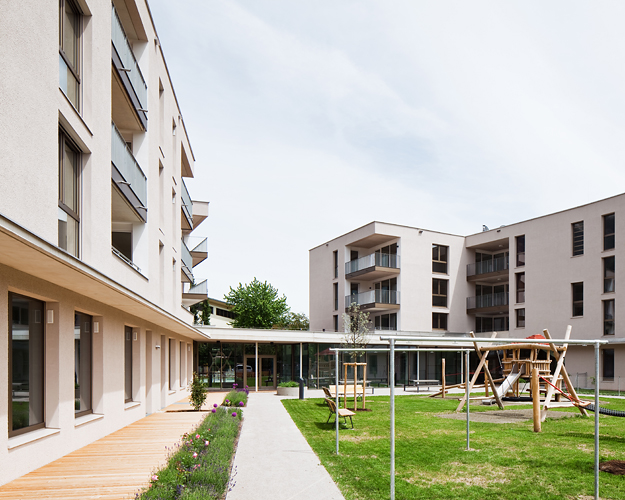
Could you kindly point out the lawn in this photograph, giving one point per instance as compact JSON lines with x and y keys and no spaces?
{"x":508,"y":461}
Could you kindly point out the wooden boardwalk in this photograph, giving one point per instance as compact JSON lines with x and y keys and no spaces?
{"x":114,"y":467}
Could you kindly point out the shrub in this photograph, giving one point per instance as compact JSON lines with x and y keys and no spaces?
{"x":198,"y":392}
{"x":291,"y":383}
{"x":234,"y":398}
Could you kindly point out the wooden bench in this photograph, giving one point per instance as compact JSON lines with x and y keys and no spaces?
{"x":342,"y":412}
{"x":417,"y":383}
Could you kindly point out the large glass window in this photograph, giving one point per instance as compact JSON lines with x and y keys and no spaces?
{"x":608,"y":274}
{"x":127,"y":363}
{"x":182,"y":363}
{"x":385,"y":322}
{"x":26,"y":364}
{"x":69,"y":199}
{"x":172,"y":364}
{"x":69,"y":51}
{"x":520,"y":250}
{"x":608,"y":364}
{"x":578,"y":299}
{"x":439,"y":259}
{"x":439,"y":292}
{"x":520,"y":288}
{"x":608,"y":232}
{"x":608,"y":317}
{"x":82,"y":363}
{"x":578,"y":238}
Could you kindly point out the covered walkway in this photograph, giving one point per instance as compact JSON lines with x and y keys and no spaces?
{"x":116,"y":466}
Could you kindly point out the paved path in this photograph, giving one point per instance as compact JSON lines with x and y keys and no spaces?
{"x":273,"y":459}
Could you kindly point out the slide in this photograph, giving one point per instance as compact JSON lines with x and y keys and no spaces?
{"x":510,"y":380}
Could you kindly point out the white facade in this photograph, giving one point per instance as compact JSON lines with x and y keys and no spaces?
{"x":564,"y":271}
{"x":93,"y":213}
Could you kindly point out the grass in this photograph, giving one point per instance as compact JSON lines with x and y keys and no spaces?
{"x":508,"y":461}
{"x":205,"y":475}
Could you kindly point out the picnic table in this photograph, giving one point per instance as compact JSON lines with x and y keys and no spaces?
{"x":419,"y":382}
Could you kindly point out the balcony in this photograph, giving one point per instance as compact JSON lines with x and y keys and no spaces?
{"x":129,"y":88}
{"x":374,"y":300}
{"x":490,"y":270}
{"x":129,"y":180}
{"x":187,"y":209}
{"x":195,"y":294}
{"x":374,"y":266}
{"x":198,"y":248}
{"x":187,"y":263}
{"x":488,"y":303}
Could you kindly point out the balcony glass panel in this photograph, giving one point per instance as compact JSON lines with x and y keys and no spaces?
{"x":488,"y":266}
{"x":125,"y":163}
{"x":373,"y":296}
{"x":187,"y":260}
{"x":374,"y":259}
{"x":187,"y":204}
{"x":124,"y":51}
{"x":488,"y":300}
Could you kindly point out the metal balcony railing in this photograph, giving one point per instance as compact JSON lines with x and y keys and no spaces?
{"x":197,"y":244}
{"x":127,"y":166}
{"x":200,"y":288}
{"x":488,"y":300}
{"x":187,"y":204}
{"x":124,"y":51}
{"x":374,"y":259}
{"x":373,"y":296}
{"x":489,"y":266}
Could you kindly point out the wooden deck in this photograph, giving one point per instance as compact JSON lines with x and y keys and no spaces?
{"x":114,"y":467}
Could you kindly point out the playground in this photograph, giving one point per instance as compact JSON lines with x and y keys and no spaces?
{"x":506,"y":461}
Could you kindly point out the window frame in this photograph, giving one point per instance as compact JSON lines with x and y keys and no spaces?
{"x":520,"y":291}
{"x":577,"y":238}
{"x":66,"y":141}
{"x":78,"y":47}
{"x":38,"y":425}
{"x":335,"y":293}
{"x":436,"y":291}
{"x":335,"y":259}
{"x":609,"y":321}
{"x":436,"y":321}
{"x":128,"y":364}
{"x":520,"y":242}
{"x":438,"y":260}
{"x":577,"y":303}
{"x":520,"y":312}
{"x":89,"y":409}
{"x":604,"y":364}
{"x":609,"y":236}
{"x":607,"y":280}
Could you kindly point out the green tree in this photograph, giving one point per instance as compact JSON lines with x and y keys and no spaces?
{"x":293,"y":321}
{"x":201,"y":313}
{"x":357,"y":326}
{"x":256,"y":305}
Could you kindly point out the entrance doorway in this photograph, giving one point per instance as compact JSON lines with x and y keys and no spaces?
{"x":266,"y":372}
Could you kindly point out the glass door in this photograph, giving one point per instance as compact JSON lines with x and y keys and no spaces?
{"x":266,"y":372}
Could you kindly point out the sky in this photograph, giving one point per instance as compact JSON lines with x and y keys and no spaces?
{"x":309,"y":119}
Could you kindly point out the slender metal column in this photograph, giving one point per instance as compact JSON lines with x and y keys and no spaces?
{"x":301,"y":359}
{"x":466,"y":381}
{"x":255,"y":369}
{"x":392,"y":384}
{"x":336,"y":391}
{"x":596,"y":421}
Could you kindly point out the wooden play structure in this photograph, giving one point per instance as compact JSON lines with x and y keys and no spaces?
{"x":531,"y":361}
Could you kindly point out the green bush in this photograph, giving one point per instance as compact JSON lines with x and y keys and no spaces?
{"x":199,"y":466}
{"x":291,"y":383}
{"x":198,"y":392}
{"x":235,"y":398}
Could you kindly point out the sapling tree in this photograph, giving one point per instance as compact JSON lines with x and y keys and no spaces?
{"x":198,"y":392}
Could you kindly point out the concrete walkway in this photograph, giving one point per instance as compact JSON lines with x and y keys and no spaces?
{"x":273,"y":459}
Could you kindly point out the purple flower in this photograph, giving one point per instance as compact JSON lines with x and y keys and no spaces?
{"x":227,"y":401}
{"x":234,"y":413}
{"x":214,"y":410}
{"x":241,"y":403}
{"x":215,"y":405}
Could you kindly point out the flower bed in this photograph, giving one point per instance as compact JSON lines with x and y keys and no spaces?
{"x":199,"y":466}
{"x":236,"y":397}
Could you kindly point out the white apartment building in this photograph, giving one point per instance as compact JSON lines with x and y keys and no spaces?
{"x":517,"y":280}
{"x":96,"y":256}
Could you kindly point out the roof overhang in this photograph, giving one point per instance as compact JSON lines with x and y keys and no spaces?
{"x":32,"y":255}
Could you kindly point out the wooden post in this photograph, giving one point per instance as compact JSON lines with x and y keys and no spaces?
{"x":485,"y":383}
{"x":443,"y":377}
{"x":536,"y":399}
{"x":364,"y":384}
{"x":345,"y":387}
{"x":355,"y":385}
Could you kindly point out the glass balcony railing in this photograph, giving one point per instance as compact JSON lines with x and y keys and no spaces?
{"x":373,"y":297}
{"x":488,"y":300}
{"x":187,"y":204}
{"x":200,"y":288}
{"x":127,"y":166}
{"x":374,"y":259}
{"x":488,"y":266}
{"x":124,"y":51}
{"x":187,"y":261}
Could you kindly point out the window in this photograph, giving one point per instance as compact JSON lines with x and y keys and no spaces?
{"x":439,"y":259}
{"x":608,"y":317}
{"x":578,"y":238}
{"x":578,"y":299}
{"x":69,"y":177}
{"x":182,"y":355}
{"x":608,"y":364}
{"x":520,"y":250}
{"x":82,"y":364}
{"x":69,"y":51}
{"x":439,"y":321}
{"x":483,"y":324}
{"x":26,"y":350}
{"x":501,"y":323}
{"x":335,"y":288}
{"x":386,"y":322}
{"x":439,"y":292}
{"x":335,"y":255}
{"x":127,"y":363}
{"x":608,"y":232}
{"x":336,"y":322}
{"x":172,"y":364}
{"x":520,"y":288}
{"x":520,"y":318}
{"x":608,"y":274}
{"x":386,"y":291}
